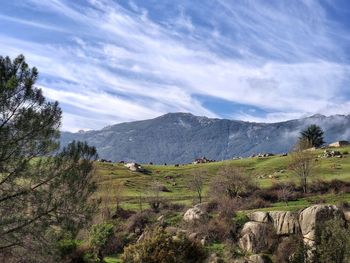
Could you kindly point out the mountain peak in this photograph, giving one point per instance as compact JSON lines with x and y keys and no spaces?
{"x":177,"y":114}
{"x":181,"y":137}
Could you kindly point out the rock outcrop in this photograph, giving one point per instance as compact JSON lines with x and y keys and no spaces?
{"x":134,"y":167}
{"x":255,"y":237}
{"x":285,"y":222}
{"x":347,"y":215}
{"x":195,"y":214}
{"x":259,"y":216}
{"x":310,"y":217}
{"x":257,"y":234}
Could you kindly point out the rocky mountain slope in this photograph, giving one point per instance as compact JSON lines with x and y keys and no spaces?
{"x":182,"y":137}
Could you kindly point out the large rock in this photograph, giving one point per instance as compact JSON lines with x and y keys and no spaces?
{"x":347,"y":215}
{"x":256,"y":237}
{"x":195,"y":214}
{"x":310,"y":217}
{"x":285,"y":222}
{"x":256,"y":259}
{"x":259,"y":216}
{"x":135,"y":167}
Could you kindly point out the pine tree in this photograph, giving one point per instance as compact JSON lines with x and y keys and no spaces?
{"x":314,"y":135}
{"x":43,"y":192}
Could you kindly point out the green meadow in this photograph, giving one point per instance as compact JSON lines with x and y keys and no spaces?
{"x":265,"y":171}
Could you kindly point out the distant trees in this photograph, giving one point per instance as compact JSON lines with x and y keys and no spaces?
{"x":43,"y":194}
{"x":302,"y":162}
{"x":313,"y":134}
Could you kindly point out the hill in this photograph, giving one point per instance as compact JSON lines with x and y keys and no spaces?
{"x":266,"y":172}
{"x":182,"y":137}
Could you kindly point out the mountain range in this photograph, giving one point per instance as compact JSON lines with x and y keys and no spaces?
{"x":182,"y":137}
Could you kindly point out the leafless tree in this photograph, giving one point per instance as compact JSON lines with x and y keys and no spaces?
{"x":231,"y":181}
{"x":196,"y":183}
{"x":155,"y":199}
{"x":285,"y":193}
{"x":302,"y":162}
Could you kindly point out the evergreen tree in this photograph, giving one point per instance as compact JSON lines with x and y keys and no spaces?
{"x":314,"y":135}
{"x":43,"y":193}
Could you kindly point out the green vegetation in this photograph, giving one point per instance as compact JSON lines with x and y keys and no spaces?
{"x":99,"y":236}
{"x":43,"y":201}
{"x":48,"y":197}
{"x":313,"y":135}
{"x":265,"y":172}
{"x":333,"y":242}
{"x":159,"y":246}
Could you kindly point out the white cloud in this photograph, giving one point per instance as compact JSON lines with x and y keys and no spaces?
{"x":124,"y":66}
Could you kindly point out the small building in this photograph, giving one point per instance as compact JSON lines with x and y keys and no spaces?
{"x":339,"y":144}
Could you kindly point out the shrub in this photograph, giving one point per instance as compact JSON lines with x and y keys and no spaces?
{"x":290,"y":249}
{"x":333,"y":242}
{"x":99,"y":236}
{"x":345,"y":152}
{"x":335,"y":186}
{"x":266,"y":194}
{"x":218,"y":229}
{"x":173,"y":206}
{"x":137,"y":222}
{"x":254,"y":203}
{"x":232,"y":182}
{"x":228,"y":206}
{"x":158,"y":246}
{"x":67,"y":247}
{"x":212,"y":205}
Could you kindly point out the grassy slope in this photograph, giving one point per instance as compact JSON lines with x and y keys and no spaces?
{"x":136,"y":184}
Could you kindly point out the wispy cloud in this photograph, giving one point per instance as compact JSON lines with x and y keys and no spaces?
{"x":129,"y":62}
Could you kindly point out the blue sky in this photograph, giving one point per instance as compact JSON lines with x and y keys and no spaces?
{"x":113,"y":61}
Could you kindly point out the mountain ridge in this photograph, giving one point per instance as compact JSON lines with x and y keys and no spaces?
{"x":182,"y":137}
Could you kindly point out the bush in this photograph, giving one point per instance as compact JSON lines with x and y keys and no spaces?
{"x":173,"y":206}
{"x":254,"y":203}
{"x":333,"y":242}
{"x":334,"y":186}
{"x":99,"y":236}
{"x":266,"y":194}
{"x":67,"y":247}
{"x":217,"y":229}
{"x":291,"y":249}
{"x":137,"y":222}
{"x":158,"y":246}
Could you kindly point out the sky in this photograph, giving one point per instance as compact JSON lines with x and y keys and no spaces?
{"x":109,"y":61}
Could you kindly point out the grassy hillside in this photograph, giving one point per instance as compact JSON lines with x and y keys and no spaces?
{"x":266,"y":171}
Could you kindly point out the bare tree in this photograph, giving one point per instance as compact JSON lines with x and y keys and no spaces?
{"x":302,"y":163}
{"x":196,"y":183}
{"x":285,"y":193}
{"x":231,"y":181}
{"x":113,"y":195}
{"x":155,"y":199}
